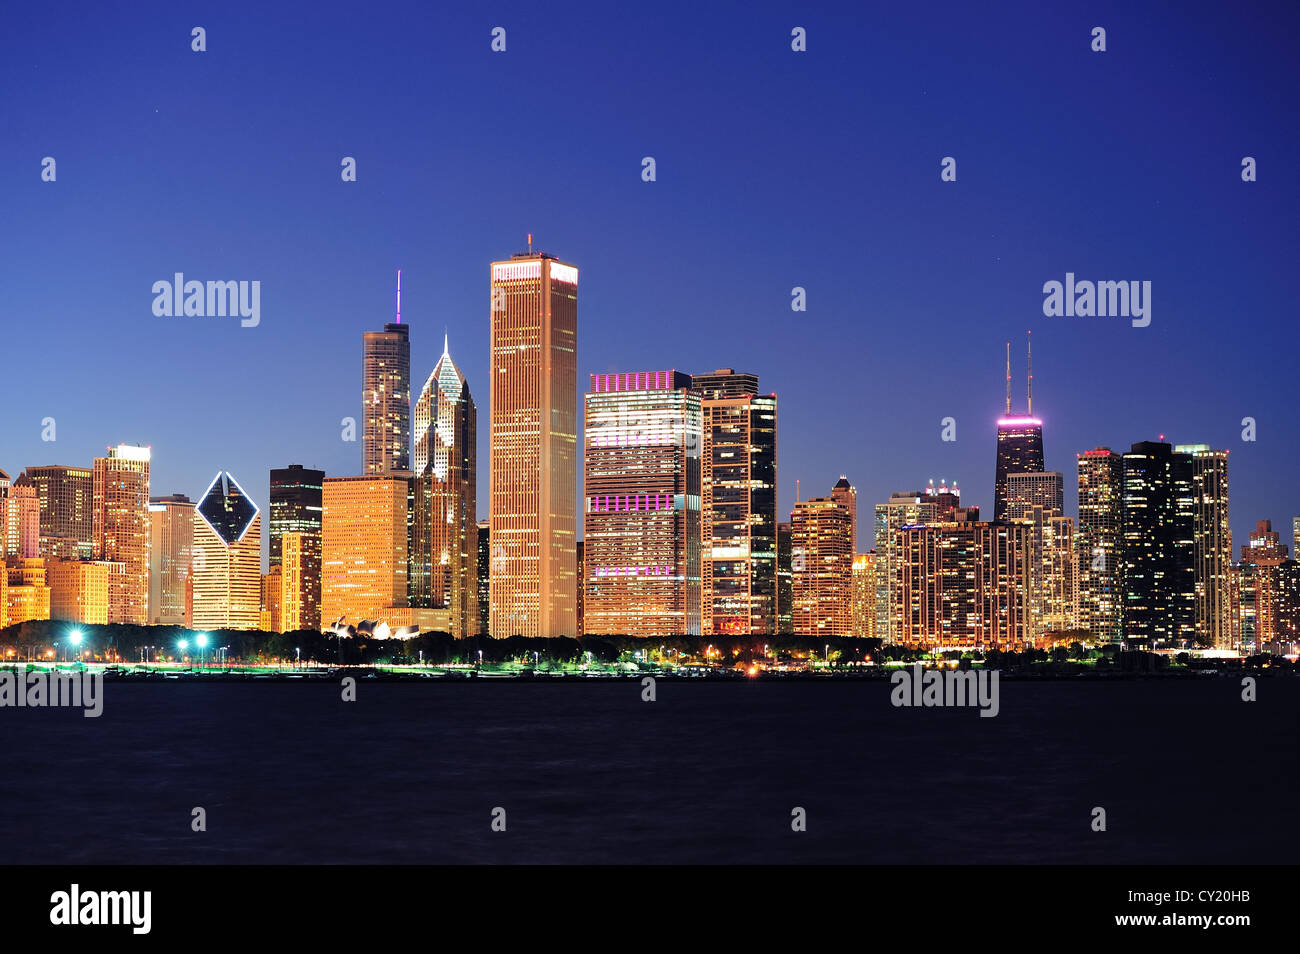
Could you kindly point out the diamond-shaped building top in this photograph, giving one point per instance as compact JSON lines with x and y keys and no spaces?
{"x":227,"y":509}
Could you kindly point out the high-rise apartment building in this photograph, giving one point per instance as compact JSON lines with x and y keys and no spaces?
{"x":964,"y":583}
{"x":1100,"y":543}
{"x":20,"y":518}
{"x":171,"y":542}
{"x":642,"y":505}
{"x":25,"y":594}
{"x":821,"y":537}
{"x":300,"y":557}
{"x":784,"y":579}
{"x":534,"y":446}
{"x":364,"y":547}
{"x":1212,"y":543}
{"x":738,"y":505}
{"x":67,"y":498}
{"x":905,"y":509}
{"x":444,"y":531}
{"x":863,"y":609}
{"x":484,"y":576}
{"x":386,"y":395}
{"x":1038,"y":500}
{"x":226,"y":567}
{"x":1159,"y":550}
{"x":121,"y":529}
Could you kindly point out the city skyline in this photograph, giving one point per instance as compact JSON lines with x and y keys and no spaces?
{"x":900,"y":257}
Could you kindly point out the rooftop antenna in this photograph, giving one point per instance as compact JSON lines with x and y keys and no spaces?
{"x":1029,"y":337}
{"x":796,"y":490}
{"x":1008,"y":379}
{"x":530,"y":243}
{"x":399,"y":296}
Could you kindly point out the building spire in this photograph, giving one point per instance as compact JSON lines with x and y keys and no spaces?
{"x":1008,"y":379}
{"x":399,"y":296}
{"x":444,"y":343}
{"x":1030,"y":339}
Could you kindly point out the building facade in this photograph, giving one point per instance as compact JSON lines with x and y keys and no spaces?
{"x":363,"y":548}
{"x":1212,"y":543}
{"x":1159,"y":549}
{"x":641,"y":550}
{"x":226,"y":568}
{"x":386,"y":395}
{"x":821,"y":538}
{"x":67,"y":497}
{"x":534,"y":446}
{"x":121,"y":529}
{"x":171,"y":544}
{"x":1100,"y":543}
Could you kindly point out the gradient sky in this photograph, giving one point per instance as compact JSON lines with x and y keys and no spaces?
{"x":775,"y":169}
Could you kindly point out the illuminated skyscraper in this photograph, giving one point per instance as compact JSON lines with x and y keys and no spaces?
{"x":484,"y":576}
{"x":121,"y":529}
{"x":300,"y":581}
{"x":1212,"y":540}
{"x":863,"y":610}
{"x":1159,"y":549}
{"x":1100,"y":543}
{"x":906,"y":509}
{"x":67,"y":497}
{"x":821,"y":537}
{"x":444,"y":532}
{"x":738,"y":505}
{"x":1020,"y":443}
{"x":1037,"y":500}
{"x":534,"y":446}
{"x":642,"y":505}
{"x":846,"y":495}
{"x":227,"y":563}
{"x":364,"y":547}
{"x":171,"y":541}
{"x":964,"y":583}
{"x":20,"y":518}
{"x":386,"y":395}
{"x":295,"y":504}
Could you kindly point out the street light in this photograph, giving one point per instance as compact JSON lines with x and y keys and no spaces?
{"x":202,"y":641}
{"x":75,"y":638}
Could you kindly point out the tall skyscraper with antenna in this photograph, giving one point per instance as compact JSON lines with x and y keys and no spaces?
{"x":534,"y":446}
{"x":1020,"y":442}
{"x":386,"y":395}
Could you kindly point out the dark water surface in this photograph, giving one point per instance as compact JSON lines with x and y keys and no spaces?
{"x":587,"y":772}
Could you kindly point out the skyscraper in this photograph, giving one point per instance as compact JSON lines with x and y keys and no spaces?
{"x":1037,"y":500}
{"x":295,"y":504}
{"x":484,"y":576}
{"x":1212,"y":541}
{"x":20,"y":519}
{"x":863,"y":611}
{"x":846,"y":495}
{"x":227,"y":562}
{"x":642,"y":505}
{"x":444,"y":531}
{"x":363,"y":547}
{"x":171,"y":541}
{"x":1100,"y":543}
{"x":67,"y":497}
{"x":738,"y":505}
{"x":386,"y":395}
{"x":1020,"y":444}
{"x":120,"y":526}
{"x":905,"y":509}
{"x":534,"y":446}
{"x":821,"y":536}
{"x":963,"y":583}
{"x":1159,"y":552}
{"x":300,"y":557}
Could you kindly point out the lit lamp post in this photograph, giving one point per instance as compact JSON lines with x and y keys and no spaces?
{"x":183,"y":645}
{"x":75,"y":638}
{"x":202,"y":640}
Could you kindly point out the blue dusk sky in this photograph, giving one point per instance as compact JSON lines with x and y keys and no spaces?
{"x":775,"y":169}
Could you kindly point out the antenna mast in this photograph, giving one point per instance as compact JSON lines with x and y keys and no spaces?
{"x":1008,"y":379}
{"x":399,"y":296}
{"x":1030,"y":339}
